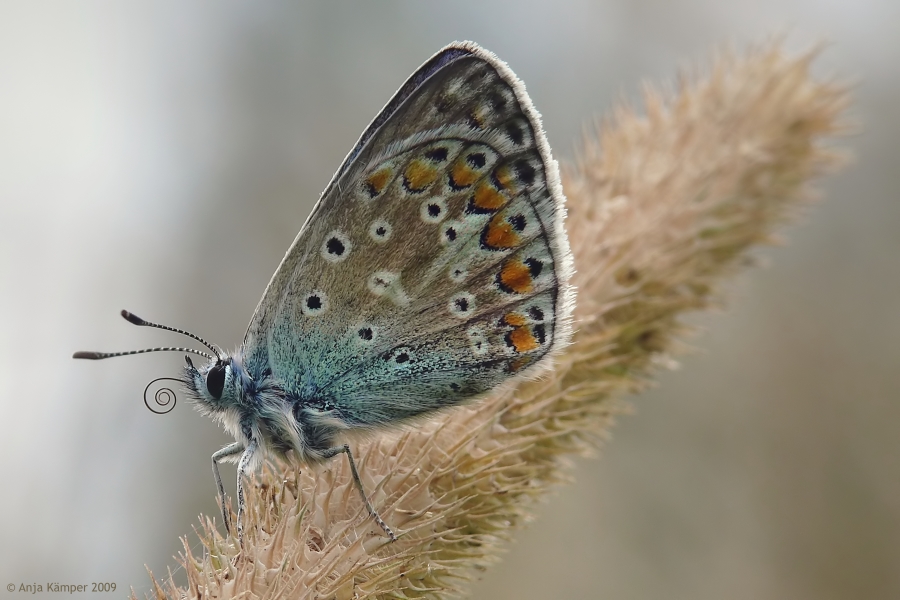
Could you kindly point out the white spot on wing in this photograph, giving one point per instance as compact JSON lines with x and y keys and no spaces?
{"x":387,"y":283}
{"x":433,"y":210}
{"x":462,"y":305}
{"x":450,"y":232}
{"x":364,"y":334}
{"x":380,"y":231}
{"x":314,"y":303}
{"x":336,"y":247}
{"x":458,"y":273}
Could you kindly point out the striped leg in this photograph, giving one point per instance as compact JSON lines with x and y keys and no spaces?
{"x":345,"y":449}
{"x":229,"y":450}
{"x":244,"y":463}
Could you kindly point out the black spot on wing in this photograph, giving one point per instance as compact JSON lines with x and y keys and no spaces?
{"x":525,"y":172}
{"x":518,"y":222}
{"x":476,"y":159}
{"x":335,"y":246}
{"x":436,"y":154}
{"x":515,"y":133}
{"x":535,"y":267}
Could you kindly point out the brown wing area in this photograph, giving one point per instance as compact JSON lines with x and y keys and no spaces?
{"x":437,"y":251}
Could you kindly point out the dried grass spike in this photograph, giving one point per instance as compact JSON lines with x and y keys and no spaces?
{"x":662,"y":208}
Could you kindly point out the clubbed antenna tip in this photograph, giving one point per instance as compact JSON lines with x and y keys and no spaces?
{"x":132,"y":318}
{"x":136,"y":320}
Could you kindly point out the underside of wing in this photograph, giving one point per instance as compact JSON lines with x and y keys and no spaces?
{"x":435,"y":266}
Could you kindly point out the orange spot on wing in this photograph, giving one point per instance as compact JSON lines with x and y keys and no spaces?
{"x":377,"y":180}
{"x":515,"y":276}
{"x":487,"y":197}
{"x":514,"y":319}
{"x":462,"y":175}
{"x":522,"y":339}
{"x":504,"y":177}
{"x":419,"y":175}
{"x":499,"y":234}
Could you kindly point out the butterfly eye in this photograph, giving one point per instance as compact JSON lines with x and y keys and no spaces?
{"x":215,"y":381}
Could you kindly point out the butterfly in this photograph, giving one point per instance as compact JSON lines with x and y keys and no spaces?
{"x":434,"y":268}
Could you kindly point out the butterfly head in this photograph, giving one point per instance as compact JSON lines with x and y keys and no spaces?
{"x":218,"y":385}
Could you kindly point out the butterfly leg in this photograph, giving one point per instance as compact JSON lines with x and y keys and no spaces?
{"x":229,"y":450}
{"x":345,"y":449}
{"x":243,"y":464}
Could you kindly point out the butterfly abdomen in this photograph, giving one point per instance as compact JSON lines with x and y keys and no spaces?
{"x":320,"y":431}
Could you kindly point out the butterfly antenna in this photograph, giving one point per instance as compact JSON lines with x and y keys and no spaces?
{"x":136,"y":320}
{"x":102,"y":355}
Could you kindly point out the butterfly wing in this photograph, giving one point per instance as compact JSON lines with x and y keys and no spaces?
{"x":435,"y":265}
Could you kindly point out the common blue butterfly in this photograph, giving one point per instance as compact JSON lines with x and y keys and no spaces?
{"x":434,"y":267}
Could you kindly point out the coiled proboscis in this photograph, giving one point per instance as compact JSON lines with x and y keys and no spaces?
{"x":161,"y":397}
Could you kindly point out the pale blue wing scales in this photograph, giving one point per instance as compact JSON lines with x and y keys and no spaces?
{"x":463,"y":361}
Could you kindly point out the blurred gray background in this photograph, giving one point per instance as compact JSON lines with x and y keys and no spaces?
{"x":160,"y":156}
